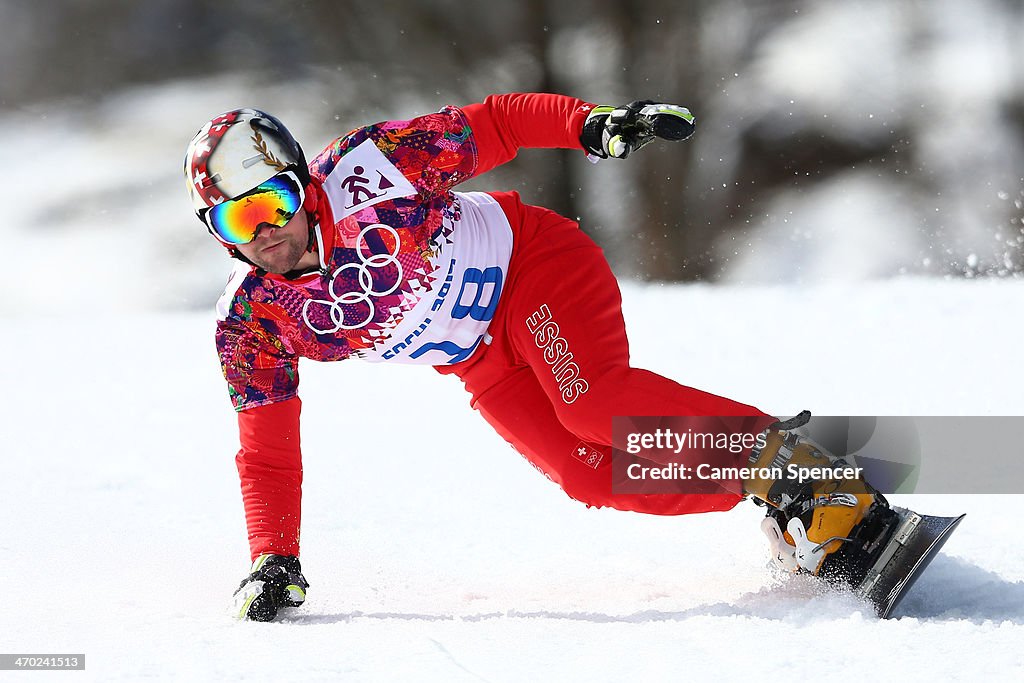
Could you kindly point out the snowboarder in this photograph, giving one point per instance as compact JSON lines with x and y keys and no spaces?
{"x":368,"y":252}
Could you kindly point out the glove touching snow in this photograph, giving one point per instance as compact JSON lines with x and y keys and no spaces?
{"x":274,"y":582}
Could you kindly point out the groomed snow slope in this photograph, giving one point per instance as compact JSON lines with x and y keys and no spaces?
{"x":437,"y":553}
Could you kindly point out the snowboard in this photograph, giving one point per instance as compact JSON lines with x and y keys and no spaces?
{"x":887,"y":554}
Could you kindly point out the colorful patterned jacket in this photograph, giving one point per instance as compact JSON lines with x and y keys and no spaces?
{"x":410,"y":271}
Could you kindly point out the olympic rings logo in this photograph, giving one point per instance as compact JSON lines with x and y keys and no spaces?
{"x":354,"y":297}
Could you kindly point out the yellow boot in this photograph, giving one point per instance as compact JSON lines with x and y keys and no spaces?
{"x":818,"y":498}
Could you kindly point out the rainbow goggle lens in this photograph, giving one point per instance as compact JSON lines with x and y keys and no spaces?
{"x":236,"y":221}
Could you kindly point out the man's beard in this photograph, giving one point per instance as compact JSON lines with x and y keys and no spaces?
{"x":282,"y":259}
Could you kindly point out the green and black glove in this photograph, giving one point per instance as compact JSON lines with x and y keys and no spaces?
{"x":274,"y":582}
{"x":619,"y":131}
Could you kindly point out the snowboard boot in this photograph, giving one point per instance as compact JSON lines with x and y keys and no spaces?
{"x":817,"y":503}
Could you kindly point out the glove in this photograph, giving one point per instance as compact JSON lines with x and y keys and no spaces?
{"x":275,"y":581}
{"x":617,"y":132}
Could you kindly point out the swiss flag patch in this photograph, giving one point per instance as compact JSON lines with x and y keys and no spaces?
{"x":590,"y":457}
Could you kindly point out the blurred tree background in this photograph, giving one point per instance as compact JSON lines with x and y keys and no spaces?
{"x":835,"y":139}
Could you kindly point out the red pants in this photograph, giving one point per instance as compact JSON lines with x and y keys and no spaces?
{"x":557,"y":274}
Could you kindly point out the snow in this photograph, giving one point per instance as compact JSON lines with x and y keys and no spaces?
{"x":434,"y":551}
{"x":437,"y":553}
{"x":928,"y":83}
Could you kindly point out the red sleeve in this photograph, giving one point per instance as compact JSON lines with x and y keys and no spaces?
{"x":270,"y":469}
{"x":504,"y":124}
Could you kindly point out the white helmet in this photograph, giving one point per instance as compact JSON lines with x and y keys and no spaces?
{"x":236,"y":152}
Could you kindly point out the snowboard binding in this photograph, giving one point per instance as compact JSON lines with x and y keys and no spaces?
{"x":840,"y":528}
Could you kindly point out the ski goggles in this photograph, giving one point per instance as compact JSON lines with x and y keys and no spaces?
{"x":236,"y":221}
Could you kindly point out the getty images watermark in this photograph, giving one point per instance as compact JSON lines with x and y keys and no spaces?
{"x":710,"y":454}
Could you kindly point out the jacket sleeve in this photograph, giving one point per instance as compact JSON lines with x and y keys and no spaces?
{"x":257,"y":366}
{"x":262,"y":382}
{"x":503,"y":124}
{"x":270,"y":470}
{"x":436,"y":152}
